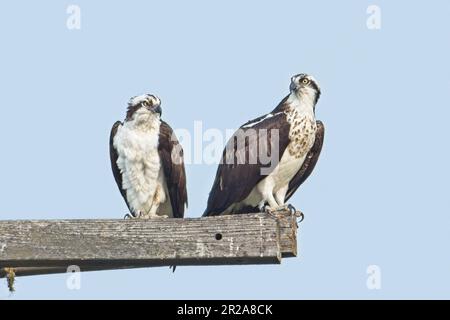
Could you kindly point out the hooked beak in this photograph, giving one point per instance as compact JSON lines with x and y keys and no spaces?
{"x":156,"y":109}
{"x":294,"y":86}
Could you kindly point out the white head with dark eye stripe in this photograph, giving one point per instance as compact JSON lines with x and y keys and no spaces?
{"x":305,"y":86}
{"x":144,"y":108}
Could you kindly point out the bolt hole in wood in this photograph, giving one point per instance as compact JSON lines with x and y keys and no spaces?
{"x":218,"y":236}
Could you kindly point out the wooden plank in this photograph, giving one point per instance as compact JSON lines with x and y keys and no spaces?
{"x":288,"y":226}
{"x":242,"y":239}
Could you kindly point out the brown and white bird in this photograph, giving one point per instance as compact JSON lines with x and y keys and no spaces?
{"x":147,"y":161}
{"x":289,"y":136}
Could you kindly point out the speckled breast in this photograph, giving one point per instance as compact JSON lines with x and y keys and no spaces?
{"x":302,"y":132}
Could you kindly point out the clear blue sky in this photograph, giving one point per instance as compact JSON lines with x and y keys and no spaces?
{"x":378,"y":196}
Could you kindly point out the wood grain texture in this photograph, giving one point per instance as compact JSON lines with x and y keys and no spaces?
{"x":287,"y":225}
{"x":52,"y":245}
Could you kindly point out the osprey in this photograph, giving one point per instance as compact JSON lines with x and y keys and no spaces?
{"x":147,"y":161}
{"x":290,"y":136}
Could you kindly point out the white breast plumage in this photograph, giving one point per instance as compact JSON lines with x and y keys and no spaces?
{"x":140,"y":165}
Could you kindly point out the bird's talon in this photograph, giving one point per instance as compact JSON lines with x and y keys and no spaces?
{"x":300,"y":216}
{"x":292,"y":209}
{"x":128,"y":216}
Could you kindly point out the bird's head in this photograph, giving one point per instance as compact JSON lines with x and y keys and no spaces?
{"x":304,"y":85}
{"x":144,"y":108}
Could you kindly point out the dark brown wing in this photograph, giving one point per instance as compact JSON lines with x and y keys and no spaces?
{"x":309,"y":163}
{"x":171,"y":154}
{"x":115,"y":169}
{"x":235,"y":180}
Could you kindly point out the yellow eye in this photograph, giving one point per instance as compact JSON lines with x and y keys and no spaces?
{"x":145,"y":103}
{"x":305,"y":81}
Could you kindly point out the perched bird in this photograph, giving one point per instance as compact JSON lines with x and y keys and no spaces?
{"x":147,"y":161}
{"x":289,"y":136}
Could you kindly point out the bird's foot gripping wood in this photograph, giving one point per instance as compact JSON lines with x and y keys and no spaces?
{"x":283,"y":209}
{"x":297,"y":213}
{"x":144,"y":216}
{"x":128,"y":216}
{"x":132,"y":215}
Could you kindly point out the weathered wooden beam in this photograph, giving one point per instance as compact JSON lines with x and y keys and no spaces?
{"x":37,"y":247}
{"x":288,"y":226}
